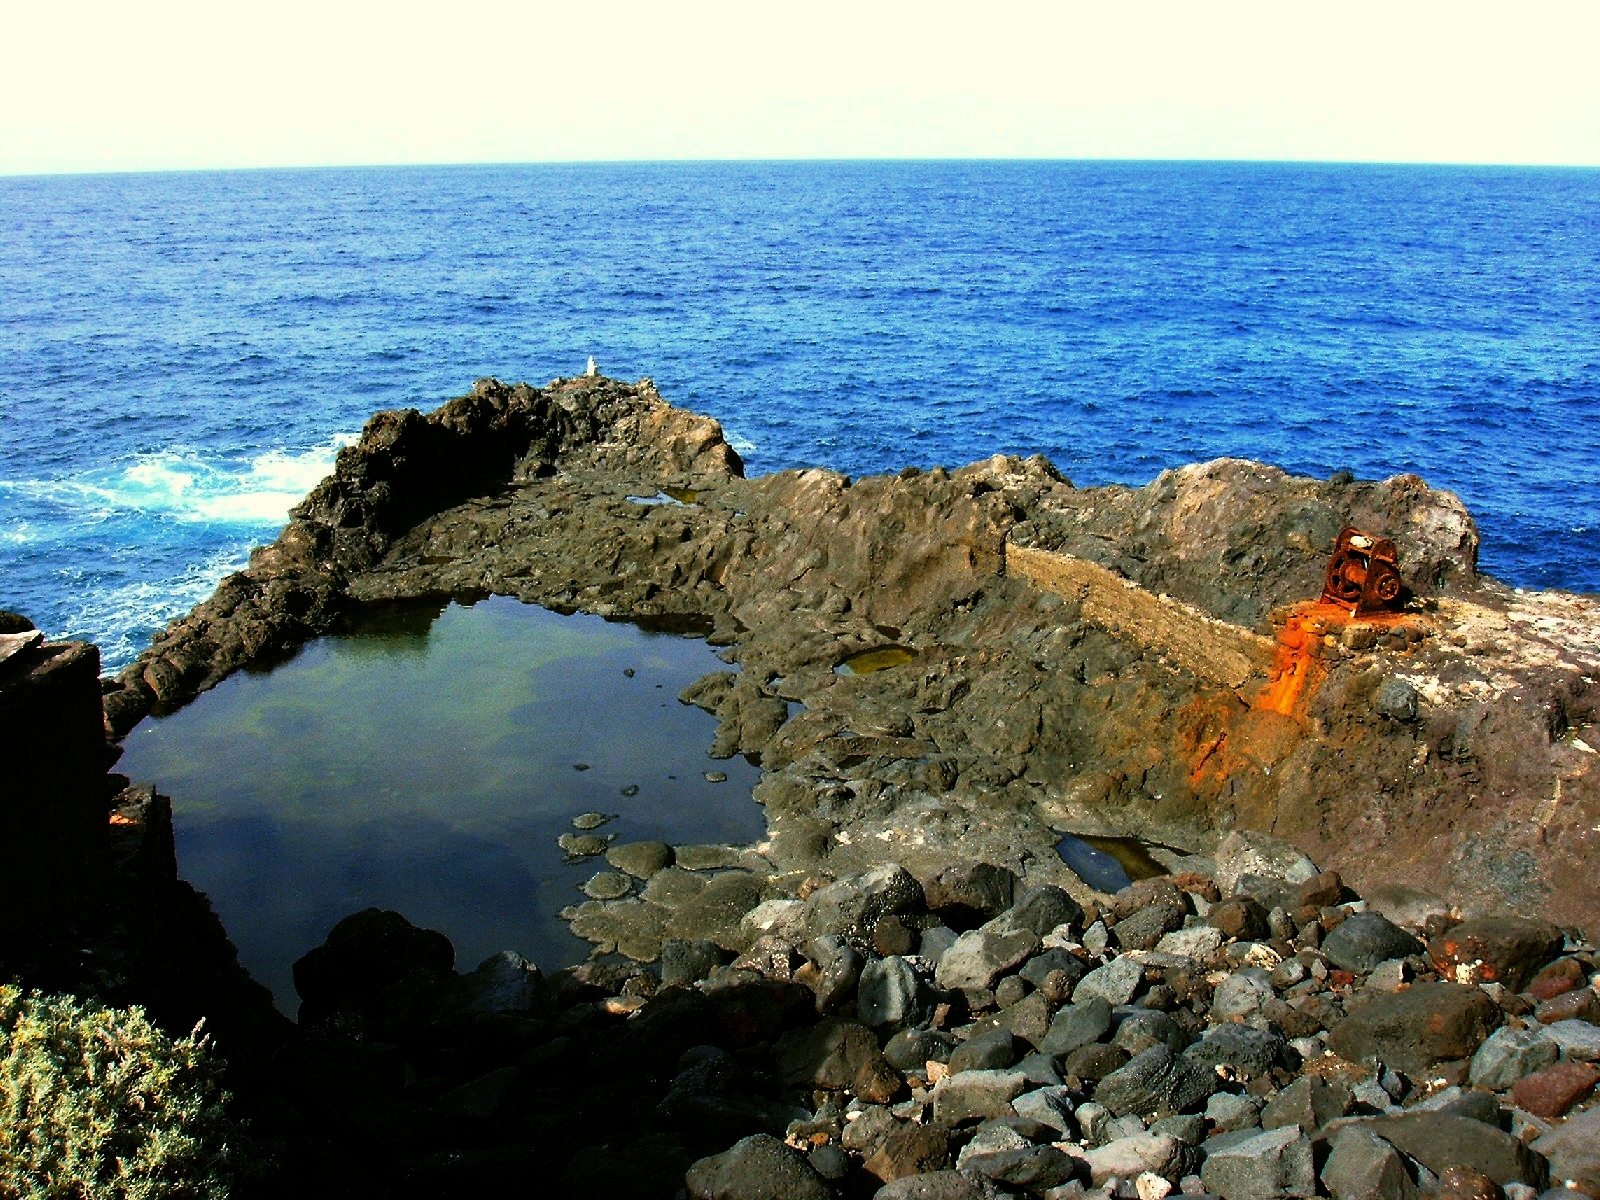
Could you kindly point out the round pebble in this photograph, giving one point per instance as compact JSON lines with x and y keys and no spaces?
{"x":589,"y":820}
{"x":608,"y":885}
{"x":631,"y":790}
{"x":716,"y":777}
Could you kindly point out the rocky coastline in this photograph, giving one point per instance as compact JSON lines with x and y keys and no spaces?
{"x":1363,"y":972}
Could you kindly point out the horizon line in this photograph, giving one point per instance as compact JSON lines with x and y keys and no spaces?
{"x":73,"y":172}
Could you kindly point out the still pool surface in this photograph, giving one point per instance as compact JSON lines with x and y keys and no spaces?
{"x":426,"y":762}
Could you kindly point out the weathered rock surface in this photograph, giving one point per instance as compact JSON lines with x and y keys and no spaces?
{"x":1129,"y":694}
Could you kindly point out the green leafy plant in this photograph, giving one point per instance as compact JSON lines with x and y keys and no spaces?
{"x":97,"y":1103}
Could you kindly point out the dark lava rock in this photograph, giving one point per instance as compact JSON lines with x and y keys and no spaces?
{"x":1439,"y":1141}
{"x":1362,"y":1166}
{"x":936,"y":1185}
{"x":1156,"y":1080}
{"x":1094,"y":1062}
{"x":829,"y":1054}
{"x":1505,"y":950}
{"x":1041,"y":909}
{"x":1365,"y":940}
{"x":1250,"y":1052}
{"x":1309,"y":1102}
{"x":365,"y":953}
{"x":986,"y":1051}
{"x":964,"y":895}
{"x":909,"y":1149}
{"x":686,"y":960}
{"x":1077,"y":1025}
{"x":912,"y":1049}
{"x":1413,"y":1029}
{"x":759,"y":1167}
{"x":1144,"y":929}
{"x":1055,"y":959}
{"x":853,"y":907}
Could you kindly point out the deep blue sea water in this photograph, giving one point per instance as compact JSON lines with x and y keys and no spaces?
{"x":181,"y":354}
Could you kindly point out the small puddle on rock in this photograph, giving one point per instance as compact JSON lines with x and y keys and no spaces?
{"x":880,"y":658}
{"x":669,"y":495}
{"x":1109,"y":864}
{"x":423,"y":762}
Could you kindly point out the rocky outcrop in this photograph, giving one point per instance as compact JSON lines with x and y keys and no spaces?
{"x":1103,"y":660}
{"x":93,"y":903}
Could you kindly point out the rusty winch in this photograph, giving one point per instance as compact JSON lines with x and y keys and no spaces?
{"x":1363,"y":574}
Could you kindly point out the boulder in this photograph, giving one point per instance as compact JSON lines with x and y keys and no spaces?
{"x":1276,"y":1162}
{"x":1504,"y":950}
{"x":1442,"y":1140}
{"x":1411,"y":1030}
{"x":759,"y":1167}
{"x":1156,"y":1081}
{"x":1362,"y":1166}
{"x":1366,"y":939}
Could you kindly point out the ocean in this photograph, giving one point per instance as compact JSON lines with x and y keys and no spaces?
{"x":181,"y":355}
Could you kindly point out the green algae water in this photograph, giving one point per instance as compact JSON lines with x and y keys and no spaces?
{"x":427,"y":761}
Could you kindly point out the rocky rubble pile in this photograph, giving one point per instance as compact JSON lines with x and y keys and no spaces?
{"x":1255,"y":1032}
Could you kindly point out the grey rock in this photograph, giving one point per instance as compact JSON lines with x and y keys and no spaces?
{"x":889,"y":993}
{"x":1149,"y":925}
{"x":1397,"y":700}
{"x":1249,"y":1052}
{"x":987,"y":1051}
{"x":1362,"y":1166}
{"x":1115,"y":983}
{"x":640,"y":859}
{"x":489,"y":1096}
{"x":1577,"y":1039}
{"x":1308,"y":1103}
{"x":1244,"y":852}
{"x":912,"y":1049}
{"x":1229,"y":1113}
{"x":1137,"y":1029}
{"x":852,"y":906}
{"x":968,"y":894}
{"x":1129,"y":1157}
{"x":991,"y":1137}
{"x":1031,"y":1168}
{"x":1275,"y":1162}
{"x":980,"y":955}
{"x":759,"y":1167}
{"x":1078,"y":1024}
{"x":685,"y":961}
{"x":1573,"y":1149}
{"x":1042,"y":909}
{"x":830,"y":1054}
{"x":1509,"y":1054}
{"x":1094,"y":1121}
{"x":976,"y":1094}
{"x":935,"y":943}
{"x":1040,"y":1070}
{"x":1189,"y":1129}
{"x":1053,"y":959}
{"x":839,"y":965}
{"x":829,"y":1161}
{"x":1441,"y":1140}
{"x":1028,"y":1019}
{"x":936,"y":1185}
{"x":1050,"y":1105}
{"x":1241,"y":994}
{"x":873,"y":1123}
{"x":1156,"y":1080}
{"x":1366,"y":939}
{"x":1197,"y":941}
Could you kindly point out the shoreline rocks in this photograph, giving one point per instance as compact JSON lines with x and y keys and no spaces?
{"x":941,"y":672}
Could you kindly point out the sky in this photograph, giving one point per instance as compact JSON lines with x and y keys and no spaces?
{"x":173,"y":84}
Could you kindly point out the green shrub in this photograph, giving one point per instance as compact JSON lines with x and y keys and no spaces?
{"x":97,"y":1103}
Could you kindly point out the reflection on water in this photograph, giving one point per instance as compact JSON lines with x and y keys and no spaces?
{"x":1109,"y":864}
{"x":426,"y":762}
